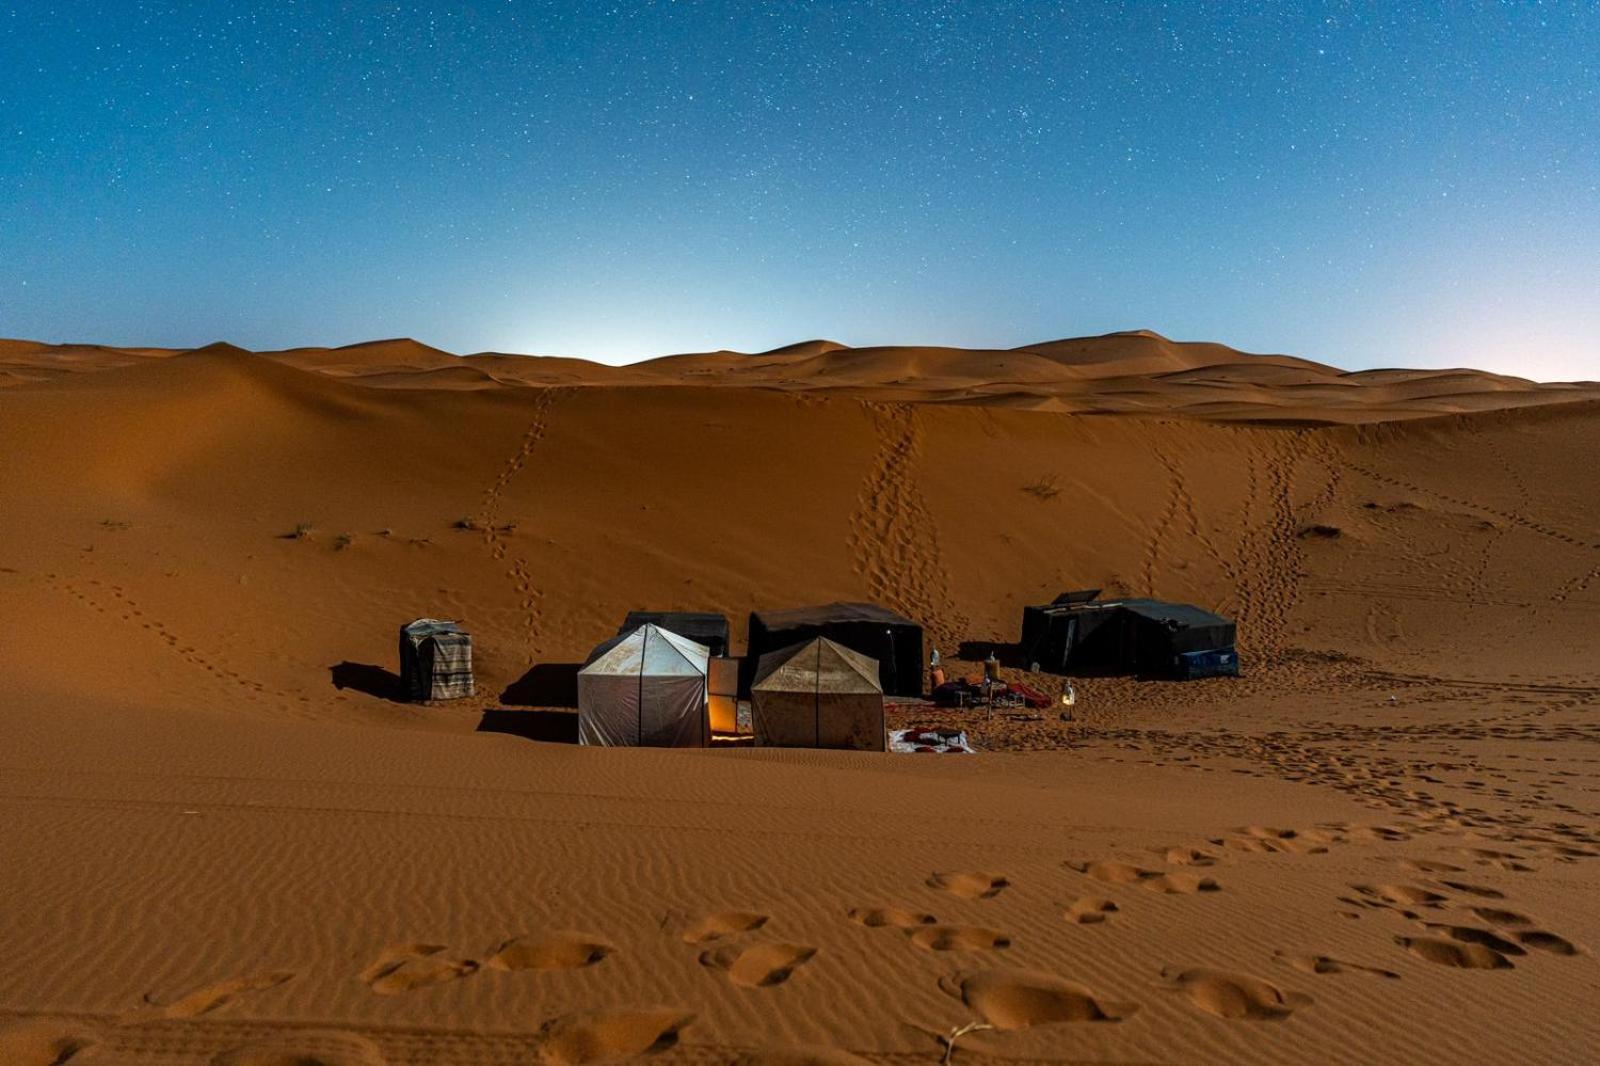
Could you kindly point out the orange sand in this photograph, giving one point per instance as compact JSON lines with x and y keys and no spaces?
{"x":222,"y":844}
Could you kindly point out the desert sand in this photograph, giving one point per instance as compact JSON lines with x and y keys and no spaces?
{"x":223,"y":841}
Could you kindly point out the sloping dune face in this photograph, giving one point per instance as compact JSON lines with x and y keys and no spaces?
{"x":239,"y":846}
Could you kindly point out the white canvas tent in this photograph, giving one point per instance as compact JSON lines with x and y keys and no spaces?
{"x":818,"y":694}
{"x":647,"y":689}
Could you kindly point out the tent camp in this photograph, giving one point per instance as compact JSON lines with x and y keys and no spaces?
{"x":702,"y":627}
{"x":646,"y":688}
{"x":1078,"y":634}
{"x":876,"y":632}
{"x":817,"y":695}
{"x":435,"y":660}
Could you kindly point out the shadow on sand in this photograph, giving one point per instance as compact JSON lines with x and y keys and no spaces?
{"x":553,"y":727}
{"x":546,"y":685}
{"x":364,"y":677}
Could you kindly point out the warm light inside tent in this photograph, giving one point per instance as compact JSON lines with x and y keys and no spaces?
{"x":724,"y":712}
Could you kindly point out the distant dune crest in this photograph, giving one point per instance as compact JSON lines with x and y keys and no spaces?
{"x":1132,"y":372}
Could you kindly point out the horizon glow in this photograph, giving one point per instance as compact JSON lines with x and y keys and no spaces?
{"x":1362,"y":185}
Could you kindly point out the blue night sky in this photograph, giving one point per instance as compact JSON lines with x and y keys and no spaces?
{"x":1363,"y":184}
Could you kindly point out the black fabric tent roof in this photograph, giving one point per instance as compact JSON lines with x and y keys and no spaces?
{"x":890,"y":638}
{"x":1076,"y":634}
{"x":702,"y":627}
{"x":1182,"y":614}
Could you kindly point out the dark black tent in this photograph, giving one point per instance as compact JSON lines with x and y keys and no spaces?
{"x":876,"y":632}
{"x":1079,"y":635}
{"x":702,"y":627}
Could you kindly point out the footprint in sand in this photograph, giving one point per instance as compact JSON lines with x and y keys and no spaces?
{"x":1399,"y":895}
{"x":890,"y":917}
{"x":214,"y":997}
{"x":43,"y":1043}
{"x":758,"y":965}
{"x":959,"y":938}
{"x":553,"y":951}
{"x":1123,"y":873}
{"x":1111,"y":872}
{"x":1469,"y":934}
{"x":1189,"y":857}
{"x":408,"y":967}
{"x":1378,"y":832}
{"x":1180,"y":884}
{"x":304,"y":1049}
{"x":1020,"y":999}
{"x":606,"y":1035}
{"x":1236,"y":996}
{"x":1556,"y":945}
{"x":970,"y":885}
{"x":1497,"y":916}
{"x":1090,"y":910}
{"x":1326,"y":964}
{"x":721,"y":924}
{"x":1451,"y":953}
{"x":1272,"y":840}
{"x":1482,"y":891}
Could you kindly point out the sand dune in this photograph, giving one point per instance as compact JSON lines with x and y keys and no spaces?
{"x":1382,"y":843}
{"x":1136,"y":372}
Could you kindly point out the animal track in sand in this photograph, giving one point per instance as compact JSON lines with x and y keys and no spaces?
{"x":1090,"y":910}
{"x":1451,"y":953}
{"x":1123,"y":873}
{"x":43,"y":1043}
{"x":969,"y":885}
{"x":554,"y":951}
{"x":407,"y":967}
{"x":1020,"y":999}
{"x":214,"y":997}
{"x":721,"y":924}
{"x":893,"y":917}
{"x":601,"y":1036}
{"x":304,"y":1049}
{"x":1236,"y":996}
{"x":758,"y":965}
{"x":959,"y":938}
{"x":1326,"y":964}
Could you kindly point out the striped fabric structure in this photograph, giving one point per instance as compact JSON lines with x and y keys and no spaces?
{"x":435,"y":660}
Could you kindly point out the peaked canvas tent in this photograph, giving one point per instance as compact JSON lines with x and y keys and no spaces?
{"x":702,"y":627}
{"x":435,"y":660}
{"x":1077,"y":634}
{"x":817,"y":695}
{"x":894,"y":640}
{"x":647,"y":688}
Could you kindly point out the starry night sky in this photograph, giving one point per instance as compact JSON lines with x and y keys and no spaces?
{"x":1364,"y":184}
